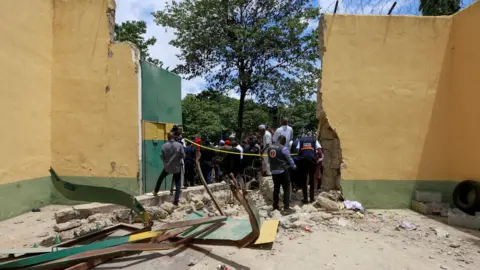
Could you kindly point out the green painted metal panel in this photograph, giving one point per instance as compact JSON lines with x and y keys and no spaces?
{"x":161,"y":95}
{"x":78,"y":192}
{"x":63,"y":253}
{"x":128,"y":185}
{"x":233,"y":228}
{"x":153,"y":165}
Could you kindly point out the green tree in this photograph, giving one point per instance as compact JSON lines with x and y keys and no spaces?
{"x":134,"y":32}
{"x":303,"y":116}
{"x":200,"y":117}
{"x":261,"y":48}
{"x":439,"y":7}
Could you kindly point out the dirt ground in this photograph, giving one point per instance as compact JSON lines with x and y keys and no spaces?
{"x":374,"y":242}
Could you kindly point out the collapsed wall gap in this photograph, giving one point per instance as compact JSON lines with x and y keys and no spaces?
{"x":328,"y":137}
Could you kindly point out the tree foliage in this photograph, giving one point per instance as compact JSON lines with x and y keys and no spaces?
{"x":261,"y":48}
{"x":439,"y":7}
{"x":134,"y":32}
{"x":209,"y":114}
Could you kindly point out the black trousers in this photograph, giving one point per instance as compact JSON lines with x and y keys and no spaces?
{"x":176,"y":180}
{"x":307,"y":168}
{"x":284,"y":181}
{"x":189,"y":173}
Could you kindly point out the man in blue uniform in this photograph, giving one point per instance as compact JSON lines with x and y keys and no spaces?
{"x":280,"y":160}
{"x":307,"y":148}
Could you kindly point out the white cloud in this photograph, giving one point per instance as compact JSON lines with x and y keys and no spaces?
{"x":141,"y":10}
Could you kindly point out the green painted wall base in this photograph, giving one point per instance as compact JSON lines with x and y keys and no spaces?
{"x":20,"y":197}
{"x":391,"y":194}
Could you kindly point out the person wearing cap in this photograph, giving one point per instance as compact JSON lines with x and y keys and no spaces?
{"x":266,"y":142}
{"x":280,"y":161}
{"x":284,"y":130}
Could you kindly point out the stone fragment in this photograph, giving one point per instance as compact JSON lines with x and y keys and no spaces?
{"x":167,"y":206}
{"x":308,"y":208}
{"x":199,"y":205}
{"x":320,"y":216}
{"x":326,"y":203}
{"x":440,"y":232}
{"x":157,"y":213}
{"x":231,"y":212}
{"x":454,"y":245}
{"x":123,"y":215}
{"x":67,"y":225}
{"x":66,"y":214}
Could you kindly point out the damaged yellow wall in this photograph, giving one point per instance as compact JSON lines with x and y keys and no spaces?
{"x":464,"y":109}
{"x":380,"y":78}
{"x":402,"y":94}
{"x":25,"y":72}
{"x":94,"y":94}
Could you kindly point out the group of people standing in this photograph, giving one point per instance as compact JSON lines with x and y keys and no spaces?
{"x":289,"y":161}
{"x":287,"y":172}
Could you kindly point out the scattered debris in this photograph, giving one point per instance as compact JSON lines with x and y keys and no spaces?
{"x":407,"y":226}
{"x":441,"y":232}
{"x":353,"y":205}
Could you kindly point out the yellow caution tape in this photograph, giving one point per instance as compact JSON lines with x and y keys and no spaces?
{"x":228,"y":152}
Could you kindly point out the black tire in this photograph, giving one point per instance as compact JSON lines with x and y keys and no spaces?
{"x":466,"y":196}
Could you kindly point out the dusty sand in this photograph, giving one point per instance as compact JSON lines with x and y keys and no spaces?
{"x":370,"y":243}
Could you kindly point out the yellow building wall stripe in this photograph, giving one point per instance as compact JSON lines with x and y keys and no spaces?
{"x":156,"y":131}
{"x":141,"y":236}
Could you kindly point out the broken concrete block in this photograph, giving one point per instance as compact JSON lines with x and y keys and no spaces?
{"x":421,"y":208}
{"x":66,"y":214}
{"x":460,"y":219}
{"x":167,"y":206}
{"x":86,"y":210}
{"x":123,"y":215}
{"x":156,"y":212}
{"x":320,"y":216}
{"x":67,"y":225}
{"x":326,"y":203}
{"x":428,"y":196}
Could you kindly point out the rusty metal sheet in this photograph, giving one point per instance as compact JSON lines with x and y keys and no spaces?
{"x":122,"y":249}
{"x":199,"y":171}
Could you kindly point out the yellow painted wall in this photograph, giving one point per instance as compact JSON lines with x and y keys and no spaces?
{"x":464,"y":107}
{"x":380,"y":79}
{"x":94,"y":94}
{"x":25,"y":83}
{"x":402,"y":93}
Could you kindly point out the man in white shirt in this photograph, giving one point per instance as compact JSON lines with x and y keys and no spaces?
{"x":266,"y":142}
{"x":284,"y":130}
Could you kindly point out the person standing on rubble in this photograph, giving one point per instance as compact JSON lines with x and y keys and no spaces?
{"x":173,"y":154}
{"x":190,"y":158}
{"x":207,"y":157}
{"x":266,"y":142}
{"x":280,"y":161}
{"x":308,"y":148}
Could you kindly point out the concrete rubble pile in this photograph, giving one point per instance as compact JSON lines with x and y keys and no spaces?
{"x":76,"y":221}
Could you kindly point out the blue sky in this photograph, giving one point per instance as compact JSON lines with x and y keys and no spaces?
{"x":142,"y":9}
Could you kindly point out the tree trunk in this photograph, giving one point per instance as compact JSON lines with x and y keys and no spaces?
{"x":243,"y":94}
